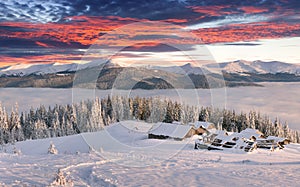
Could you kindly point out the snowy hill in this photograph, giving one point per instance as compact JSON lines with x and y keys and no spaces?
{"x":184,"y":69}
{"x":27,"y":69}
{"x":258,"y":67}
{"x":124,"y":145}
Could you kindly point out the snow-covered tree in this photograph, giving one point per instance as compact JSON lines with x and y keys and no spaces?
{"x":92,"y":115}
{"x":96,"y":117}
{"x":61,"y":180}
{"x":52,"y":149}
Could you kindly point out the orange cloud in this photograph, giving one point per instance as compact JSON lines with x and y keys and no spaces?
{"x":248,"y":32}
{"x":84,"y":31}
{"x":46,"y":59}
{"x":176,"y":20}
{"x":147,"y":44}
{"x":253,"y":10}
{"x":43,"y":44}
{"x":80,"y":29}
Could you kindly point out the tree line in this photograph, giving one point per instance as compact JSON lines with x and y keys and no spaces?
{"x":93,"y":115}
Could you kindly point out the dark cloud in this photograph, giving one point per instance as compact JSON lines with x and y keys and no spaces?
{"x":57,"y":10}
{"x":156,"y":48}
{"x":24,"y":52}
{"x":5,"y":28}
{"x":154,"y":36}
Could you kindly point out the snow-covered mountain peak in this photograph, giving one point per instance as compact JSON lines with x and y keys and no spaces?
{"x":260,"y":67}
{"x":238,"y":66}
{"x":18,"y":67}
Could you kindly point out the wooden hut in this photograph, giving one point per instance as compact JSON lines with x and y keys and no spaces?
{"x":173,"y":131}
{"x":202,"y":127}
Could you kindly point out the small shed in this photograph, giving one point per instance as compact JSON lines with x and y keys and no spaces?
{"x":272,"y":142}
{"x":282,"y":141}
{"x":173,"y":131}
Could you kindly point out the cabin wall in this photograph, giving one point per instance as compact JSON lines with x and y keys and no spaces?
{"x":200,"y":131}
{"x":191,"y":133}
{"x":154,"y":136}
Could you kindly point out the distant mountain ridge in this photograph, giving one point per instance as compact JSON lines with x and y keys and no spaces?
{"x":111,"y":75}
{"x":259,"y":67}
{"x":239,"y":66}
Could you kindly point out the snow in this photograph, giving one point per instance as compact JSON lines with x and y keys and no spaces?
{"x":238,"y":138}
{"x":18,"y":67}
{"x":139,"y":126}
{"x":143,"y":165}
{"x":239,"y":66}
{"x":261,"y":67}
{"x":247,"y":133}
{"x":39,"y":68}
{"x":27,"y":69}
{"x":170,"y":130}
{"x":203,"y":124}
{"x":277,"y":139}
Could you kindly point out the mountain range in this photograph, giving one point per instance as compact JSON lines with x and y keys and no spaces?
{"x":239,"y":66}
{"x":236,"y":73}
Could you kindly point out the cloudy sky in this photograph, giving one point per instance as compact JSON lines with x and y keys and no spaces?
{"x":162,"y":31}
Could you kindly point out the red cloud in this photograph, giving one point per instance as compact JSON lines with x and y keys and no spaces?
{"x":253,"y":10}
{"x":248,"y":32}
{"x":43,"y":44}
{"x":46,"y":59}
{"x":81,"y":29}
{"x":86,"y":31}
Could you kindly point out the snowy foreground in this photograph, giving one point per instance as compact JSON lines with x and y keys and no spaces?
{"x":121,"y":155}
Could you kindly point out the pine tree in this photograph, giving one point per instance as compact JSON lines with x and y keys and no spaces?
{"x":169,"y":118}
{"x":203,"y":116}
{"x":96,"y":118}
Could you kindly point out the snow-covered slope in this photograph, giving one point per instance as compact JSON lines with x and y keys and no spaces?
{"x":112,"y":166}
{"x":27,"y":69}
{"x":184,"y":69}
{"x":260,"y":67}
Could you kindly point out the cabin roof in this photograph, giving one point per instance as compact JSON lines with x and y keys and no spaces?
{"x":277,"y":139}
{"x":170,"y":130}
{"x":247,"y":134}
{"x":203,"y":124}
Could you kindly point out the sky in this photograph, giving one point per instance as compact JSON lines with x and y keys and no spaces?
{"x":153,"y":32}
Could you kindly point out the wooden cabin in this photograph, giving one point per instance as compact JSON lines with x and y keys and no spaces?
{"x":172,"y":131}
{"x":202,"y":127}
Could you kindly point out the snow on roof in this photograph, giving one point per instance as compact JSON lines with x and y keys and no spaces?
{"x":248,"y":133}
{"x":277,"y":139}
{"x":203,"y":124}
{"x":170,"y":130}
{"x":230,"y":136}
{"x":221,"y":134}
{"x":216,"y":131}
{"x":176,"y":123}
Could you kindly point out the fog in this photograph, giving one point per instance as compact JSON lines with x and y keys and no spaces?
{"x":274,"y":99}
